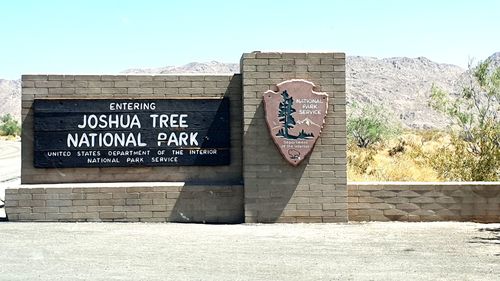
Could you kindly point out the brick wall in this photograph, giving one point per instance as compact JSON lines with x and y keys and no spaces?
{"x":275,"y":191}
{"x":411,"y":201}
{"x":132,"y":86}
{"x":131,"y":202}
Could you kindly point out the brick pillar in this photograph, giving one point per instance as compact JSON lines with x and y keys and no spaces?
{"x":315,"y":190}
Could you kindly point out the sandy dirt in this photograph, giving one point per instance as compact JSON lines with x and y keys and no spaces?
{"x":134,"y":251}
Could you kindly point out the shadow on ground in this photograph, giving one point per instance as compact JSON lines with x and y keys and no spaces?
{"x":493,"y":240}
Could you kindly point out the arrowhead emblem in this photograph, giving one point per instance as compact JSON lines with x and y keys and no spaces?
{"x":295,"y":116}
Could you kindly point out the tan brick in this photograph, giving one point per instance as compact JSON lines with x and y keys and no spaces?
{"x":335,"y":219}
{"x":422,"y":200}
{"x":432,"y":206}
{"x":334,"y":206}
{"x":295,"y":213}
{"x":74,"y":84}
{"x":139,"y":201}
{"x":121,"y":91}
{"x":396,"y":200}
{"x":382,"y":206}
{"x":153,"y":208}
{"x":47,"y":84}
{"x":11,"y":203}
{"x":91,"y":196}
{"x":360,"y":206}
{"x":74,"y":196}
{"x":309,"y":219}
{"x":29,"y":77}
{"x":73,"y":209}
{"x":121,"y":208}
{"x":139,"y":214}
{"x":309,"y":207}
{"x":91,"y":209}
{"x":321,"y":213}
{"x":32,"y":216}
{"x":384,"y":194}
{"x":58,"y":216}
{"x":178,"y":84}
{"x":395,"y":212}
{"x":58,"y":203}
{"x":17,"y":210}
{"x":45,"y":209}
{"x":369,"y":199}
{"x":380,"y":217}
{"x":125,"y":195}
{"x":86,"y":215}
{"x":407,"y":206}
{"x":256,"y":62}
{"x":140,"y":91}
{"x":320,"y":67}
{"x":31,"y":203}
{"x":86,"y":202}
{"x":421,"y":212}
{"x":153,"y":84}
{"x":112,"y":215}
{"x":19,"y":196}
{"x":111,"y":202}
{"x":127,"y":84}
{"x":408,"y":193}
{"x":447,"y":213}
{"x":100,"y":84}
{"x":37,"y":92}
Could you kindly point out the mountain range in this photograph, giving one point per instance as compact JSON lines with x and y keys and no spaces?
{"x":401,"y":85}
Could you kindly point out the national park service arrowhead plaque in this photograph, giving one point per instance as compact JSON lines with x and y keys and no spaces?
{"x":295,"y":116}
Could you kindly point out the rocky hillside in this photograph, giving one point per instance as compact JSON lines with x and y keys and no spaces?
{"x":401,"y":85}
{"x":10,"y":97}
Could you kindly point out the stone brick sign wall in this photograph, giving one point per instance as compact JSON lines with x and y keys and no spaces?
{"x":250,"y":181}
{"x":267,"y":145}
{"x":316,"y":189}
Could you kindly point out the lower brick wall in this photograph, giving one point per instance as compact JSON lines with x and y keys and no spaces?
{"x":130,"y":202}
{"x":404,"y":201}
{"x":179,"y":202}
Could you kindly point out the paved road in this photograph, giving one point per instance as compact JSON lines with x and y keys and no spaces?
{"x":133,"y":251}
{"x":10,"y":160}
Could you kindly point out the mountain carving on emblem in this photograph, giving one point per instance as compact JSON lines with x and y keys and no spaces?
{"x":307,"y":122}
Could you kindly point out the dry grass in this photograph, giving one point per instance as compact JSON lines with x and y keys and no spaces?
{"x":10,"y":138}
{"x":404,"y":158}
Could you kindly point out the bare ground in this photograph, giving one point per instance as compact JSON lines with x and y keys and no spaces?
{"x":134,"y":251}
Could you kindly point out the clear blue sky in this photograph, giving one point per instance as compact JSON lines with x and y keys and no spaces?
{"x":107,"y":36}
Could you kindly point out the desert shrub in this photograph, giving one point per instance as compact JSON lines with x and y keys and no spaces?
{"x":9,"y":126}
{"x":476,"y":159}
{"x":369,"y":125}
{"x":399,"y":158}
{"x":358,"y":159}
{"x":474,"y":150}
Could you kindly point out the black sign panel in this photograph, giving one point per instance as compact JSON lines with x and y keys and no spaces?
{"x":131,"y":132}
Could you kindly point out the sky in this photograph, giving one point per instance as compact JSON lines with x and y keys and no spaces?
{"x":108,"y":36}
